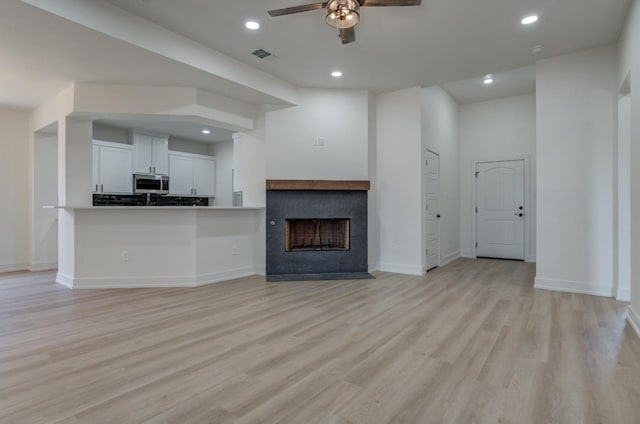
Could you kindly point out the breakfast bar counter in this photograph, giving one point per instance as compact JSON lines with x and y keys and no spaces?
{"x":158,"y":246}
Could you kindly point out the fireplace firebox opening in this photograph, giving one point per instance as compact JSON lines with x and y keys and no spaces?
{"x":317,"y":234}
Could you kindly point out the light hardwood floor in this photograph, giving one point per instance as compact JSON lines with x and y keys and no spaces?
{"x":471,"y":342}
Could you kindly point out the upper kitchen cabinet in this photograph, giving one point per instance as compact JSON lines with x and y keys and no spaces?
{"x":112,"y":168}
{"x":192,"y":175}
{"x":150,"y":154}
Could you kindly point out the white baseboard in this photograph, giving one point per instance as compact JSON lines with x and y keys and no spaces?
{"x":634,"y":319}
{"x":402,"y":268}
{"x":43,"y":266}
{"x":467,"y":254}
{"x":219,"y":277}
{"x":574,"y":287}
{"x":154,"y":282}
{"x":530,"y":259}
{"x":65,"y":280}
{"x":623,"y":295}
{"x":447,"y":259}
{"x":20,"y":266}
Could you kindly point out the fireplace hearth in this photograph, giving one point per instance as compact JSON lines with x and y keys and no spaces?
{"x":316,"y":230}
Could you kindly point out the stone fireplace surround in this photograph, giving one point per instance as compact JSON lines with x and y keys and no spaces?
{"x":316,"y":199}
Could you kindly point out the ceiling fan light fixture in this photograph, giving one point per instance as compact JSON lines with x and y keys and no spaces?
{"x":343,"y":14}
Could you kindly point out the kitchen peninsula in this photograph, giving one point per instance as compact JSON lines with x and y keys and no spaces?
{"x":162,"y":246}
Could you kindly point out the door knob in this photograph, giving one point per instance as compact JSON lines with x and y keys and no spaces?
{"x":438,"y":216}
{"x":519,"y":214}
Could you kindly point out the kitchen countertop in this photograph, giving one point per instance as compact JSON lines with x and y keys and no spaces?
{"x":162,"y":208}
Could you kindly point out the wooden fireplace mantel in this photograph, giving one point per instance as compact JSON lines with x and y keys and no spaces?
{"x":362,"y":185}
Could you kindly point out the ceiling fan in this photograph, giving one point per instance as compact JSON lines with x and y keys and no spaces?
{"x":343,"y":14}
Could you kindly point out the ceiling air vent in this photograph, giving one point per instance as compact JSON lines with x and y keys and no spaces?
{"x":262,"y":54}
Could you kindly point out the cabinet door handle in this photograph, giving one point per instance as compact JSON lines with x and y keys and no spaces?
{"x":101,"y":187}
{"x":195,"y":191}
{"x":96,"y":187}
{"x":154,"y":169}
{"x":149,"y":170}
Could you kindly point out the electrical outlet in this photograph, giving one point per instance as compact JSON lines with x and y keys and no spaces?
{"x":394,"y":246}
{"x":125,"y":256}
{"x":234,"y":251}
{"x":318,"y":141}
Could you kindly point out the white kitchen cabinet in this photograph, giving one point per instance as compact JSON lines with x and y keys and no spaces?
{"x":180,"y":175}
{"x":204,"y":177}
{"x":112,"y":168}
{"x":95,"y":170}
{"x":150,"y":154}
{"x":192,"y":175}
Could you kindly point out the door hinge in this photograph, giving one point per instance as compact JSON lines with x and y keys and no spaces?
{"x":476,"y":210}
{"x":476,"y":244}
{"x":477,"y":173}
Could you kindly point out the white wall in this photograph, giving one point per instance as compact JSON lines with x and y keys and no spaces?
{"x":223,"y":151}
{"x":249,"y":164}
{"x":399,"y":170}
{"x":189,"y":146}
{"x":623,"y":209}
{"x":496,"y":129}
{"x":440,"y":133}
{"x":338,"y":116}
{"x":576,"y":106}
{"x":373,"y":225}
{"x":108,"y":133}
{"x":44,"y":240}
{"x":630,"y":66}
{"x":14,"y":190}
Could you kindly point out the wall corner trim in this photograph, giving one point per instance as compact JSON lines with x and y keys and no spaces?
{"x":634,"y":320}
{"x":64,"y":280}
{"x":623,"y":295}
{"x":580,"y":287}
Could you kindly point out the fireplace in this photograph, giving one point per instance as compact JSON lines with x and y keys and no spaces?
{"x":317,"y":234}
{"x":316,"y":230}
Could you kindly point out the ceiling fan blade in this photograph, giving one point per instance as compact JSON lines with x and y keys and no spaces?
{"x":376,"y":3}
{"x":297,"y":9}
{"x":348,"y":35}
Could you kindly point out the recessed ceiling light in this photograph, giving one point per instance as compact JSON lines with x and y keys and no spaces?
{"x":536,"y":49}
{"x":252,"y":25}
{"x":206,"y":131}
{"x":488,"y":80}
{"x":336,"y":74}
{"x":530,"y":20}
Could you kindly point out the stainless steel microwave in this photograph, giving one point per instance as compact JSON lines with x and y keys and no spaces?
{"x":149,"y":183}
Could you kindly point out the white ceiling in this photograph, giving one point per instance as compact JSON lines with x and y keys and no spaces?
{"x":396,"y":47}
{"x":506,"y":84}
{"x":438,"y":42}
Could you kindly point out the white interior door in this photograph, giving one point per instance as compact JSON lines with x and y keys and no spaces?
{"x":501,"y":209}
{"x":432,"y":216}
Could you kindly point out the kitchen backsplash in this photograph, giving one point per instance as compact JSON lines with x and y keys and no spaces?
{"x":141,"y":200}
